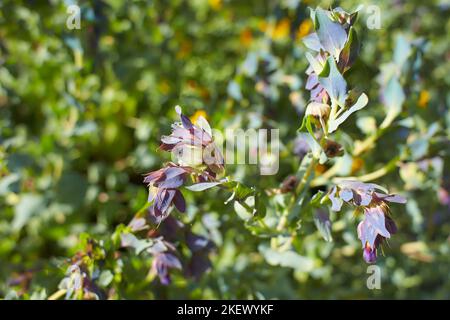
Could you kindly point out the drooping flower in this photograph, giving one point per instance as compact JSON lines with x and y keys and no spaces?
{"x":199,"y":246}
{"x":374,"y":229}
{"x":377,"y":224}
{"x":161,"y":264}
{"x":163,"y":190}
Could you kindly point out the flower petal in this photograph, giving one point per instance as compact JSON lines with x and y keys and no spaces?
{"x":375,"y":217}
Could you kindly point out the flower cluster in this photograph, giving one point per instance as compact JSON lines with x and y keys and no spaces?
{"x":194,"y":155}
{"x":377,"y":224}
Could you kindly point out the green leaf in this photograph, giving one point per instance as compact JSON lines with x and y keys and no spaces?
{"x":315,"y":147}
{"x":71,"y":188}
{"x":323,"y":224}
{"x":245,"y":209}
{"x":393,"y":97}
{"x":331,"y":34}
{"x":28,"y":206}
{"x":317,"y":198}
{"x":333,"y":82}
{"x":333,"y":124}
{"x":105,"y":278}
{"x":287,"y":258}
{"x":202,"y":186}
{"x":312,"y":42}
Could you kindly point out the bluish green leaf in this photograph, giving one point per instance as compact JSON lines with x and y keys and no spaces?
{"x":331,"y":34}
{"x":333,"y":81}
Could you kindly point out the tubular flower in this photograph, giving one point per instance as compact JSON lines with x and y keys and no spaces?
{"x":162,"y":262}
{"x":193,"y":145}
{"x":377,"y":224}
{"x":195,"y":154}
{"x":163,"y":190}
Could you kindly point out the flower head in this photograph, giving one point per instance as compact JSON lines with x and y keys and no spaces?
{"x":377,"y":224}
{"x":193,"y":145}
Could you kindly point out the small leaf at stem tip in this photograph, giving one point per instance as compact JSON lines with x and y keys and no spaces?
{"x":323,"y":224}
{"x":333,"y":124}
{"x":312,"y":42}
{"x":331,"y":34}
{"x":313,"y":144}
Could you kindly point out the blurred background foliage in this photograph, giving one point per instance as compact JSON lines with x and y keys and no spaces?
{"x":82,"y":112}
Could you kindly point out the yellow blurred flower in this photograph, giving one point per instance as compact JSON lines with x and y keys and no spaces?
{"x":262,"y":25}
{"x":304,"y":29}
{"x":197,"y":114}
{"x":424,"y":98}
{"x":282,"y":29}
{"x":215,"y":4}
{"x":246,"y":37}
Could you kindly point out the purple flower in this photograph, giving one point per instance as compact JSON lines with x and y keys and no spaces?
{"x":163,"y":190}
{"x":162,"y":262}
{"x":193,"y":145}
{"x":318,"y":92}
{"x":359,"y":194}
{"x":377,"y":224}
{"x":301,"y":147}
{"x":374,"y":229}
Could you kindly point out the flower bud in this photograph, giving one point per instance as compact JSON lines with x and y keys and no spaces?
{"x":318,"y":110}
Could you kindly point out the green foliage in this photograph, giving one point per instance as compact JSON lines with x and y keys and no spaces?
{"x":82,"y":113}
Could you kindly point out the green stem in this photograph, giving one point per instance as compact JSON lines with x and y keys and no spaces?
{"x":298,"y":191}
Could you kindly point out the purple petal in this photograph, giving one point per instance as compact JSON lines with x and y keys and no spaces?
{"x":346,"y":194}
{"x":173,"y":172}
{"x":367,"y":234}
{"x":366,"y":198}
{"x":375,"y":217}
{"x":152,"y":193}
{"x":184,"y":120}
{"x":137,"y":224}
{"x":179,"y":202}
{"x":170,"y":260}
{"x":152,"y":176}
{"x":370,"y":255}
{"x":164,"y":199}
{"x":390,"y":225}
{"x":196,"y":242}
{"x":311,"y":82}
{"x":391,"y":197}
{"x":170,"y":139}
{"x":173,"y":183}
